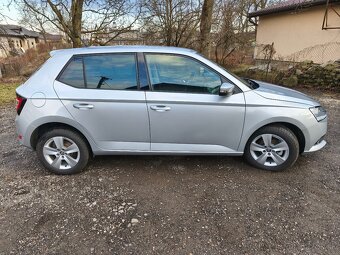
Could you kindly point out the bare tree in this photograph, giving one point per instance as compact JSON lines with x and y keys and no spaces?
{"x":2,"y":16}
{"x":61,"y":14}
{"x":33,"y":20}
{"x":3,"y":6}
{"x":231,"y":30}
{"x":171,"y":22}
{"x":224,"y":36}
{"x":4,"y":43}
{"x":205,"y":26}
{"x":90,"y":19}
{"x":105,"y":20}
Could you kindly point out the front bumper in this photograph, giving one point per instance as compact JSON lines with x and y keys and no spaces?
{"x":315,"y":132}
{"x":318,"y":146}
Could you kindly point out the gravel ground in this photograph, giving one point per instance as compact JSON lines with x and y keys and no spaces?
{"x":170,"y":205}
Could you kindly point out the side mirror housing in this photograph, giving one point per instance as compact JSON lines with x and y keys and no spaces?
{"x":226,"y":89}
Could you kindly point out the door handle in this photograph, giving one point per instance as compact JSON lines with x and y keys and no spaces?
{"x":83,"y":106}
{"x":160,"y":108}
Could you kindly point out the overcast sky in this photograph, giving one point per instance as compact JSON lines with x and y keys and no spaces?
{"x":10,"y":12}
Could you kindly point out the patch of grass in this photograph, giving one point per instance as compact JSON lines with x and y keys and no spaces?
{"x":7,"y":93}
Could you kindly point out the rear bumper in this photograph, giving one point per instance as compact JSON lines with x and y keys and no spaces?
{"x":21,"y":131}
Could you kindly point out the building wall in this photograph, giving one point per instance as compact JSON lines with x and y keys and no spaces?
{"x":4,"y":47}
{"x":18,"y":44}
{"x":30,"y":43}
{"x":298,"y":36}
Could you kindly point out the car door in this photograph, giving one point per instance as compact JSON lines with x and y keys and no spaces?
{"x":185,"y":110}
{"x":101,"y":93}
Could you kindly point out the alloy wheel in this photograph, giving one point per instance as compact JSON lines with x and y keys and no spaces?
{"x":61,"y":152}
{"x":269,"y":150}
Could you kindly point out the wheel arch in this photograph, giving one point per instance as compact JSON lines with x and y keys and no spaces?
{"x":293,"y":127}
{"x":40,"y":130}
{"x":297,"y":132}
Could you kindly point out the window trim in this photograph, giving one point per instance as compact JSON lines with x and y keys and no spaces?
{"x":143,"y":72}
{"x":84,"y":76}
{"x":99,"y":54}
{"x":222,"y":77}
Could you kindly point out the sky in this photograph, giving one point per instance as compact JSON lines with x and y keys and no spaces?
{"x":10,"y":12}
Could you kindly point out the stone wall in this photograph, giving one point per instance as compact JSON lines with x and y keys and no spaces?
{"x":326,"y":75}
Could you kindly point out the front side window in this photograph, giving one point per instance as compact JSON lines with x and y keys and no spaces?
{"x":175,"y":73}
{"x":106,"y":71}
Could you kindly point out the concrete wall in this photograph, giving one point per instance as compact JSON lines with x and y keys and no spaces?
{"x":298,"y":36}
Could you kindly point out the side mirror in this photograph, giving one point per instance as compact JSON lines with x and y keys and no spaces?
{"x":226,"y":89}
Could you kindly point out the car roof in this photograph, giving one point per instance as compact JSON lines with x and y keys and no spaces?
{"x":108,"y":49}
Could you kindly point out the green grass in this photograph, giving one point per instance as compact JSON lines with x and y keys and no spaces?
{"x":7,"y":93}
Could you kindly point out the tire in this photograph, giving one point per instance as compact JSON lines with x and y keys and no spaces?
{"x":63,"y":151}
{"x":272,"y":148}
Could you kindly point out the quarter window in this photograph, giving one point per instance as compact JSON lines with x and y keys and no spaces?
{"x":174,"y":73}
{"x":106,"y":71}
{"x":73,"y":73}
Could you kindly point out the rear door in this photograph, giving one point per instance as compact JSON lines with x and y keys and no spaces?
{"x":186,"y":112}
{"x":102,"y":93}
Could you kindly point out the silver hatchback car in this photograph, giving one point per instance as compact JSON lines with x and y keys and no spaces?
{"x":159,"y":100}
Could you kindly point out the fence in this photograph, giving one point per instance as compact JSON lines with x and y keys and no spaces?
{"x":320,"y":53}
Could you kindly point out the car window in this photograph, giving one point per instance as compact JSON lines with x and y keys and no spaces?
{"x":175,"y":73}
{"x":73,"y":73}
{"x":105,"y":71}
{"x":111,"y":71}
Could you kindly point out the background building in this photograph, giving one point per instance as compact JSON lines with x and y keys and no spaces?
{"x":298,"y":30}
{"x":16,"y":39}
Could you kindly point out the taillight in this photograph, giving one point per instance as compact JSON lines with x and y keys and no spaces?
{"x":20,"y":103}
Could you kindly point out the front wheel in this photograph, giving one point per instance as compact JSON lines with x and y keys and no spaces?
{"x":62,"y":151}
{"x":273,"y":148}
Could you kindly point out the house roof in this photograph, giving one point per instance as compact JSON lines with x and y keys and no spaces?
{"x":17,"y":31}
{"x":290,"y":5}
{"x":51,"y":37}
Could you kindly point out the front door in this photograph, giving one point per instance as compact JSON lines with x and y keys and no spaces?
{"x":186,"y":113}
{"x":101,"y":93}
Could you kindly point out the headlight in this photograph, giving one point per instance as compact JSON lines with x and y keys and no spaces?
{"x":319,"y":113}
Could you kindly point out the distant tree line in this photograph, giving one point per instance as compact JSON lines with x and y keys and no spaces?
{"x":214,"y":27}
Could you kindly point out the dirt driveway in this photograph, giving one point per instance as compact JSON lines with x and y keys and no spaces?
{"x":170,"y":205}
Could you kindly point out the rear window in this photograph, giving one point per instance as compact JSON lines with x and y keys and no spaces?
{"x":106,"y":71}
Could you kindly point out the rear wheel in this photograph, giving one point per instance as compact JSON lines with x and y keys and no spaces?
{"x":273,"y":148}
{"x":63,"y":151}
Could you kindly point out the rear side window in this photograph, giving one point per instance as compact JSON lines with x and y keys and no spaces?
{"x":106,"y":71}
